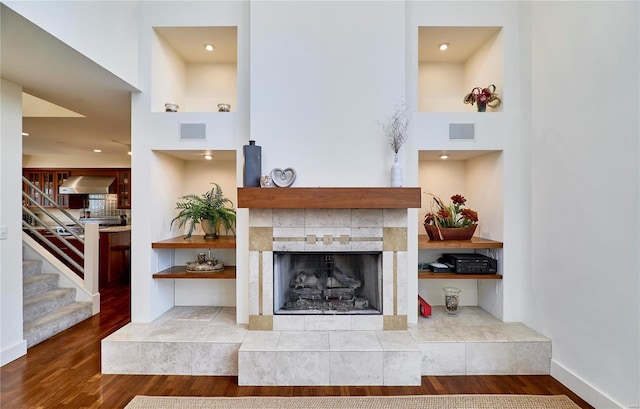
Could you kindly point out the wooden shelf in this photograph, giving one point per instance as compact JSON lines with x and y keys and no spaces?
{"x":229,"y":272}
{"x":196,"y":242}
{"x":428,"y":275}
{"x":475,"y":243}
{"x":329,"y":198}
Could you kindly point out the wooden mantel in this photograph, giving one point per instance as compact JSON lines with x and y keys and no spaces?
{"x":329,"y":197}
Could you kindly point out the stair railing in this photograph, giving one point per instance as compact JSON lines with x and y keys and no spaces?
{"x":87,"y":234}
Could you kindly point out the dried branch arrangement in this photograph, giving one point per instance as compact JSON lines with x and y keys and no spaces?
{"x":395,"y":128}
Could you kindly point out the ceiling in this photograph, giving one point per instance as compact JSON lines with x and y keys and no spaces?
{"x":71,"y":105}
{"x":463,"y":42}
{"x":453,"y":155}
{"x":189,"y":42}
{"x":48,"y":69}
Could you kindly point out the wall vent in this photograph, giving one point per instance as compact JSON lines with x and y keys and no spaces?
{"x":193,"y":132}
{"x":461,"y":131}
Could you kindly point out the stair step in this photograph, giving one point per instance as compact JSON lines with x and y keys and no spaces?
{"x":31,"y":268}
{"x":38,"y":284}
{"x":43,"y":303}
{"x":56,"y":321}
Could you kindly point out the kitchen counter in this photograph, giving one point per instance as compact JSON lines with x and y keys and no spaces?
{"x":115,"y":229}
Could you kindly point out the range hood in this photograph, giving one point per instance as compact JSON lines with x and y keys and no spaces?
{"x":86,"y":184}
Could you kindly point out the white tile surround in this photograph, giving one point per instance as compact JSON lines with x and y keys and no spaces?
{"x":328,"y":230}
{"x":207,"y":341}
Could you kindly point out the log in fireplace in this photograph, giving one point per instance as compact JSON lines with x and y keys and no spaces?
{"x":327,"y":283}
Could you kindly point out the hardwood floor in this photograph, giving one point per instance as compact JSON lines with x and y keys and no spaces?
{"x":64,"y":372}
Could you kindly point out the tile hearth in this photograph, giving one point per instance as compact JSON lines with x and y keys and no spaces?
{"x":207,"y":341}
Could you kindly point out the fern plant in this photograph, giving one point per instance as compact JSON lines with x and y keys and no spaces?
{"x":211,"y":206}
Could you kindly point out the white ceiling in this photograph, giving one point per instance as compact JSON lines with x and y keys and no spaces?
{"x":199,"y":155}
{"x":463,"y":42}
{"x":50,"y":70}
{"x":453,"y":155}
{"x":189,"y":42}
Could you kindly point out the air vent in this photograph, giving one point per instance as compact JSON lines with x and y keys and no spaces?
{"x":462,"y":131}
{"x":193,"y":132}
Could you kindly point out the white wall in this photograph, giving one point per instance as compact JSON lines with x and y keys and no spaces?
{"x":85,"y":25}
{"x":322,"y":74}
{"x":485,"y":67}
{"x":168,"y":75}
{"x":585,"y":195}
{"x":12,"y":343}
{"x":209,"y":85}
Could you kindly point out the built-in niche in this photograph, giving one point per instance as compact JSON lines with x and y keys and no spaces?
{"x":473,"y":58}
{"x":186,"y":74}
{"x":478,"y":176}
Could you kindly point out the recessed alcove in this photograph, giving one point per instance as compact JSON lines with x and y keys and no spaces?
{"x":478,"y":176}
{"x":176,"y":173}
{"x":474,"y":58}
{"x":186,"y":74}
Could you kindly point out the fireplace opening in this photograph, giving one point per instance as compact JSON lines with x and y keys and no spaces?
{"x":327,"y":283}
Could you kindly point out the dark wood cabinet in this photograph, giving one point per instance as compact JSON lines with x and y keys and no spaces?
{"x":115,"y":258}
{"x":123,"y":180}
{"x":48,"y":181}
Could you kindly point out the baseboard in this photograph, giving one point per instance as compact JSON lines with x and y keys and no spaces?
{"x":14,"y":352}
{"x":580,"y":387}
{"x":96,"y":303}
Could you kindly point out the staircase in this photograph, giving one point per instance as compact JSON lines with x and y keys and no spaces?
{"x":47,"y":308}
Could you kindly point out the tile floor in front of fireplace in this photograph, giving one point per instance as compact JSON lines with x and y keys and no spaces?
{"x":207,"y":341}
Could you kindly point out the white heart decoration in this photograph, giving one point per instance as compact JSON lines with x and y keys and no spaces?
{"x":283,"y":178}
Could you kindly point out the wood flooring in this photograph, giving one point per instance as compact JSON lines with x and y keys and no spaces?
{"x":64,"y":372}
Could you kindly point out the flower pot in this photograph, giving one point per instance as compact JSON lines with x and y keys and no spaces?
{"x":457,"y":233}
{"x":432,"y":232}
{"x":482,"y":107}
{"x":210,"y":229}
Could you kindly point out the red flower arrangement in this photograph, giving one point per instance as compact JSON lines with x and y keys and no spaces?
{"x":452,"y":215}
{"x":483,"y":97}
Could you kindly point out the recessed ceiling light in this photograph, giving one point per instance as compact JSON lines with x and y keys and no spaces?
{"x":129,"y":153}
{"x":25,"y":133}
{"x":208,"y":157}
{"x":209,"y":47}
{"x":443,"y":46}
{"x":444,"y":156}
{"x":97,"y":150}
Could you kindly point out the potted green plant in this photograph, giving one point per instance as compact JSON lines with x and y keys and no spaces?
{"x":212,"y":209}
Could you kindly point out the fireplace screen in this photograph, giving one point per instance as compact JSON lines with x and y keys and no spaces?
{"x":327,"y":283}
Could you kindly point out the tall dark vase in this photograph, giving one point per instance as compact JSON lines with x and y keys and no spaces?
{"x":252,"y":164}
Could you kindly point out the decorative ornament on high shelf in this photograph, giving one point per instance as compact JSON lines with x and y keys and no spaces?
{"x":483,"y":97}
{"x":452,"y":221}
{"x":395,"y":129}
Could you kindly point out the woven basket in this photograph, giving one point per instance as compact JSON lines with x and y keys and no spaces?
{"x":450,"y":233}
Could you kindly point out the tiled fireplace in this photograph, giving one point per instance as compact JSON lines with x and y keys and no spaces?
{"x":370,"y":247}
{"x":328,"y":271}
